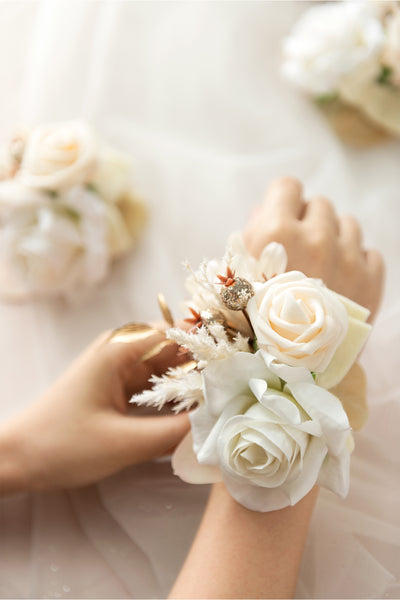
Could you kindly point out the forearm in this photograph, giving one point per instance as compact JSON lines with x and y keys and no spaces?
{"x":238,"y":553}
{"x":13,"y":468}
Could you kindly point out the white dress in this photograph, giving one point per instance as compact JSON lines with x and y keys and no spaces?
{"x":192,"y":91}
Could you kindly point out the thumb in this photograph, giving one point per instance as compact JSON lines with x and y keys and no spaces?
{"x":149,"y":437}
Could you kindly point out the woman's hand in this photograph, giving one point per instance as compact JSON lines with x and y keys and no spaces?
{"x":79,"y":431}
{"x":318,"y":242}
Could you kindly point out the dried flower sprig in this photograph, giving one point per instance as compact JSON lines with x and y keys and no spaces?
{"x":177,"y":385}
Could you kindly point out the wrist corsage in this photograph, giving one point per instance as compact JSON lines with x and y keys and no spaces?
{"x":271,"y":380}
{"x":66,"y":210}
{"x":347,"y":56}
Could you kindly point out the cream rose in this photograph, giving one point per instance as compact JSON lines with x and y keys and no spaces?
{"x":50,"y":247}
{"x":298,"y":320}
{"x":301,"y":324}
{"x":269,"y":445}
{"x":58,"y":156}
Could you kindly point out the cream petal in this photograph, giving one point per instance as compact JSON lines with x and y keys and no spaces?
{"x":285,"y":372}
{"x":345,"y":355}
{"x":312,"y":461}
{"x":280,"y":405}
{"x":272,"y":261}
{"x":186,"y":466}
{"x":327,"y":410}
{"x":335,"y":473}
{"x":202,"y":423}
{"x":207,"y":453}
{"x":258,"y":387}
{"x":226,"y":378}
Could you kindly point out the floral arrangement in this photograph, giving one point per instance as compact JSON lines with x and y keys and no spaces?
{"x":346,"y":54}
{"x":66,"y":210}
{"x":272,"y":376}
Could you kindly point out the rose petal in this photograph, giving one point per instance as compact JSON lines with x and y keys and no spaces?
{"x":345,"y":355}
{"x":327,"y":410}
{"x":207,"y":453}
{"x":352,"y":392}
{"x":275,"y":401}
{"x":224,"y":379}
{"x":285,"y":372}
{"x":186,"y":466}
{"x":335,"y":473}
{"x":308,"y":475}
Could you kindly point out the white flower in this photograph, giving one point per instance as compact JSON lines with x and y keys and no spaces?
{"x":50,"y":246}
{"x":272,"y":260}
{"x":301,"y":323}
{"x":205,"y":288}
{"x":269,"y":446}
{"x":58,"y":156}
{"x":330,"y":41}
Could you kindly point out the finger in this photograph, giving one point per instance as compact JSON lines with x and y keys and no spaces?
{"x":135,"y":375}
{"x":376,"y":270}
{"x":283,"y":199}
{"x":350,"y":232}
{"x":375,"y":263}
{"x":133,"y":332}
{"x":320,"y":213}
{"x":149,"y":437}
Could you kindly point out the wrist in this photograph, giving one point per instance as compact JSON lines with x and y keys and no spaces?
{"x":13,"y":466}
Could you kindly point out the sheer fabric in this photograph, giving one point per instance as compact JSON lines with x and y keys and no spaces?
{"x":192,"y":91}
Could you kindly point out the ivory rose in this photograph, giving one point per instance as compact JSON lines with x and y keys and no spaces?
{"x":269,"y":444}
{"x":298,"y":320}
{"x":58,"y":155}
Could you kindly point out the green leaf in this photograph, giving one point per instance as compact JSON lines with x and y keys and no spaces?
{"x":91,"y":188}
{"x":385,"y":75}
{"x":324,"y":99}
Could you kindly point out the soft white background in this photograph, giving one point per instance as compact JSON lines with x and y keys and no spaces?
{"x":192,"y":91}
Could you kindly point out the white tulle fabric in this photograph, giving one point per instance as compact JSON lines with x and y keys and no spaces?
{"x":193,"y":92}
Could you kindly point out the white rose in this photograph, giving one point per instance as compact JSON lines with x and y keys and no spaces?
{"x":48,"y":246}
{"x":269,"y":445}
{"x":330,"y":41}
{"x":58,"y":156}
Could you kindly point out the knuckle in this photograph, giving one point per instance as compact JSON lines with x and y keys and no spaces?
{"x":286,"y":181}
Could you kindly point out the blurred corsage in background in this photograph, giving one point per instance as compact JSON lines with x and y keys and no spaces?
{"x":347,"y":56}
{"x":66,"y":210}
